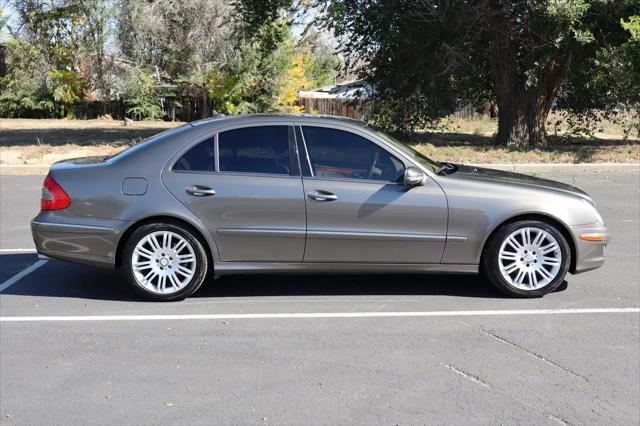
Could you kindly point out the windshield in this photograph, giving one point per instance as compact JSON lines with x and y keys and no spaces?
{"x":410,"y":152}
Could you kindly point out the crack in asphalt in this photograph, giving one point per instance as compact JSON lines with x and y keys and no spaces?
{"x":534,"y":354}
{"x":467,"y":376}
{"x":559,"y":420}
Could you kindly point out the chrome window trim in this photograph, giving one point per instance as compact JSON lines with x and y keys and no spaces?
{"x":216,"y":153}
{"x":306,"y":151}
{"x":354,"y":180}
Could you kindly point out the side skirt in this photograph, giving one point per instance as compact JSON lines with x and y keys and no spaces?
{"x":229,"y":268}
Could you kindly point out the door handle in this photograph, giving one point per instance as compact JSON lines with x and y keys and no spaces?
{"x":322,"y":196}
{"x":200,"y":191}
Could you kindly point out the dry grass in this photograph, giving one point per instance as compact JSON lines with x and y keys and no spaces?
{"x":42,"y":142}
{"x":24,"y":141}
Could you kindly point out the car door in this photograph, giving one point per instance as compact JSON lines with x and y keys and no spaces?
{"x":245,"y":186}
{"x":358,"y":209}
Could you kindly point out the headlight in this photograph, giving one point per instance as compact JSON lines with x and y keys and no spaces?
{"x":592,"y":207}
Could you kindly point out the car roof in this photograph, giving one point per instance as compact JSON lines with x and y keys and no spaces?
{"x":218,"y":119}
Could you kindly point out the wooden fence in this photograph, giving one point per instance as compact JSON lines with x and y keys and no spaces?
{"x":336,"y":106}
{"x":361,"y":110}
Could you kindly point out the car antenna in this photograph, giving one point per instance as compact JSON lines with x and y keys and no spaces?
{"x":216,"y":114}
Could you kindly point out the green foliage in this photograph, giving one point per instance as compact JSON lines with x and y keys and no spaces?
{"x":428,"y":58}
{"x":321,"y":67}
{"x":66,"y":88}
{"x":607,"y":85}
{"x":253,"y":80}
{"x":141,"y":95}
{"x":262,"y":20}
{"x":23,"y":90}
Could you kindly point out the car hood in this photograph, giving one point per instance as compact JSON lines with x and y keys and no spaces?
{"x":499,"y":176}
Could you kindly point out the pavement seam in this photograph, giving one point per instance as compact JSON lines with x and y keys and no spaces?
{"x":468,"y":376}
{"x":559,"y":420}
{"x":534,"y":354}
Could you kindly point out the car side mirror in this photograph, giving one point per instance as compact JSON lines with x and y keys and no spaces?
{"x":414,"y":176}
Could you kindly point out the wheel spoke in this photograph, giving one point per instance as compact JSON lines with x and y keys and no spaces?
{"x":141,"y":251}
{"x":550,"y":261}
{"x":162,"y":282}
{"x":166,"y":240}
{"x":175,"y":282}
{"x":549,"y":247}
{"x":511,"y":268}
{"x":539,"y":238}
{"x":545,"y":274}
{"x":187,"y":258}
{"x":149,"y":277}
{"x":143,"y":265}
{"x":526,"y":236}
{"x":519,"y":277}
{"x":533,"y":280}
{"x":153,"y":242}
{"x":506,"y":255}
{"x":179,"y":246}
{"x":184,"y":271}
{"x":514,"y":243}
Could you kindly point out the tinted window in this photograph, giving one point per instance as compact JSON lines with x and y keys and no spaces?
{"x":199,"y":158}
{"x":336,"y":153}
{"x":263,"y":149}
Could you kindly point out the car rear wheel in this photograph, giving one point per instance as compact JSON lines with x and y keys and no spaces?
{"x":165,"y":262}
{"x":527,"y":259}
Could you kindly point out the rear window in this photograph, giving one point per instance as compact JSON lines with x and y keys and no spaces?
{"x":200,"y":158}
{"x":261,"y":149}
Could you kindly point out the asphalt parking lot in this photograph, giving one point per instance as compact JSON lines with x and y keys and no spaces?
{"x":446,"y":349}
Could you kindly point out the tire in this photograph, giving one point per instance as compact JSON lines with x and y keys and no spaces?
{"x":180,"y":258}
{"x":521,"y":260}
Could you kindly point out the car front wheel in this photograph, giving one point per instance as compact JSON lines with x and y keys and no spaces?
{"x":527,"y":259}
{"x":165,"y":262}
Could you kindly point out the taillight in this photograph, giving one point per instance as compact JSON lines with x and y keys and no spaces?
{"x":53,"y":196}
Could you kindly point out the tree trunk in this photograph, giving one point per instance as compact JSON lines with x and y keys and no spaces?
{"x":522,"y":112}
{"x":522,"y":109}
{"x":206,"y":111}
{"x":520,"y":122}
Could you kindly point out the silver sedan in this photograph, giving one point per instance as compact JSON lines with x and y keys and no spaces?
{"x":303,"y":194}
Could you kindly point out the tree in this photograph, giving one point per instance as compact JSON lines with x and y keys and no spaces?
{"x":23,"y":89}
{"x":141,"y":95}
{"x":184,"y":41}
{"x":254,"y":78}
{"x":427,"y":57}
{"x":296,"y":80}
{"x":98,"y":23}
{"x":66,"y":88}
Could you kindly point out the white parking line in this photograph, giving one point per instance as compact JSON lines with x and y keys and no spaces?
{"x":17,"y":250}
{"x":78,"y":318}
{"x":20,"y":275}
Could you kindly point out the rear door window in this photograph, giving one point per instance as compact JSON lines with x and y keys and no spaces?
{"x":200,"y":158}
{"x":260,"y":149}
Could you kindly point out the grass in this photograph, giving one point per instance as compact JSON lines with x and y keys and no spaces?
{"x":42,"y":142}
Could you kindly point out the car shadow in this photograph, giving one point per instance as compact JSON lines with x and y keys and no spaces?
{"x":66,"y":280}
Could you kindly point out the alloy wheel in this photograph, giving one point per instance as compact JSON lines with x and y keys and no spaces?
{"x":529,"y":258}
{"x":163,"y":262}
